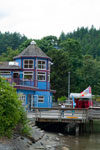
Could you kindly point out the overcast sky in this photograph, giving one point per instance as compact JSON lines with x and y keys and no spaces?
{"x":39,"y":18}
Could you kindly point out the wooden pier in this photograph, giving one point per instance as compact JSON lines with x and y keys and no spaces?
{"x":69,"y":114}
{"x":58,"y":115}
{"x":66,"y":115}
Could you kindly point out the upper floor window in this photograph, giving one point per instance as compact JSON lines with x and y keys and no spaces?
{"x":41,"y":76}
{"x":28,"y":63}
{"x":41,"y":64}
{"x":28,"y":75}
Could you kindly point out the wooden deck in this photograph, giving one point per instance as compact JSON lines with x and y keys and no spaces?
{"x":70,"y":115}
{"x":56,"y":115}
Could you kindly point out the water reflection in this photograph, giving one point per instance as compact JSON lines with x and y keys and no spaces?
{"x":86,"y":142}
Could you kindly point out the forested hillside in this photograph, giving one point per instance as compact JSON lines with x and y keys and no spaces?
{"x":77,"y":53}
{"x":88,"y":38}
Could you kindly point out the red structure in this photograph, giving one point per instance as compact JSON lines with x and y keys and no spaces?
{"x":83,"y":99}
{"x":83,"y":103}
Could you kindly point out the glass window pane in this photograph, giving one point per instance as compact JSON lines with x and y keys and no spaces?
{"x":30,"y":61}
{"x":25,"y":66}
{"x":25,"y":61}
{"x":43,"y":66}
{"x":39,"y":62}
{"x":41,"y":99}
{"x":41,"y":76}
{"x":30,"y":66}
{"x":43,"y":62}
{"x":28,"y":77}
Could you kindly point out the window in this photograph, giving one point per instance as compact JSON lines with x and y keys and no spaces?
{"x":28,"y":75}
{"x":41,"y":76}
{"x":6,"y":74}
{"x":28,"y":64}
{"x":41,"y":64}
{"x":22,"y":97}
{"x":40,"y":99}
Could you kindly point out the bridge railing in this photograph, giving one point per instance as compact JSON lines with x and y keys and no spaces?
{"x":60,"y":114}
{"x":94,"y":113}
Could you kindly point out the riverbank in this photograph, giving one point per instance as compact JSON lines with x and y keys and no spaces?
{"x":41,"y":140}
{"x":47,"y":142}
{"x":38,"y":140}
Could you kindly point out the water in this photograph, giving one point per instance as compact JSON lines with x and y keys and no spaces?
{"x":86,"y":142}
{"x":83,"y":142}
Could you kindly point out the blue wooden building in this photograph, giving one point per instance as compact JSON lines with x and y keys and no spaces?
{"x":30,"y":73}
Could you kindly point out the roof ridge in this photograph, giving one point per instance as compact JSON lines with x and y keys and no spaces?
{"x":32,"y":50}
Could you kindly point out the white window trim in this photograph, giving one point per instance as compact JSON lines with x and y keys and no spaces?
{"x":49,"y":65}
{"x":21,"y":98}
{"x":40,"y":98}
{"x":41,"y":68}
{"x":6,"y":72}
{"x":28,"y":74}
{"x":48,"y":76}
{"x":50,"y":99}
{"x":28,"y":63}
{"x":15,"y":72}
{"x":44,"y":74}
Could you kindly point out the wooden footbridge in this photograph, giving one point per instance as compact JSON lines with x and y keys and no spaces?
{"x":64,"y":114}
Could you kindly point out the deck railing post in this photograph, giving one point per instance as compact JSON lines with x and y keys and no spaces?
{"x":59,"y":116}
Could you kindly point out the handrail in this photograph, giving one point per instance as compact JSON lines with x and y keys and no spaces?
{"x":58,"y":108}
{"x":83,"y":114}
{"x":22,"y":81}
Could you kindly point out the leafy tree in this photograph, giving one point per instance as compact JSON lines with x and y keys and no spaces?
{"x":88,"y":38}
{"x":90,"y":73}
{"x":59,"y":71}
{"x":24,"y":45}
{"x":73,"y":49}
{"x":62,"y":99}
{"x":62,"y":36}
{"x":72,"y":46}
{"x":11,"y":110}
{"x":48,"y":43}
{"x":13,"y":40}
{"x":8,"y":56}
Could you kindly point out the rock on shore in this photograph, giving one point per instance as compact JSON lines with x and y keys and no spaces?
{"x":37,"y":141}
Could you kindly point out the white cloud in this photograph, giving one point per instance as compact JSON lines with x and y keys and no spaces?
{"x":39,"y":18}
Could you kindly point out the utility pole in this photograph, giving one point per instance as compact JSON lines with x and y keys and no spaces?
{"x":68,"y":85}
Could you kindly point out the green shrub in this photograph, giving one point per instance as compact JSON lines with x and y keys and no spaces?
{"x":62,"y":99}
{"x":11,"y":111}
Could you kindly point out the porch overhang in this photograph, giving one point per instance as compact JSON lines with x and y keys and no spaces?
{"x":23,"y":87}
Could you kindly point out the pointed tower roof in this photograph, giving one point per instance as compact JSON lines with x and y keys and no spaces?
{"x":32,"y":51}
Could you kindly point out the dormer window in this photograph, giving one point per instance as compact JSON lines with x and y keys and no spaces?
{"x":28,"y":64}
{"x":42,"y":64}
